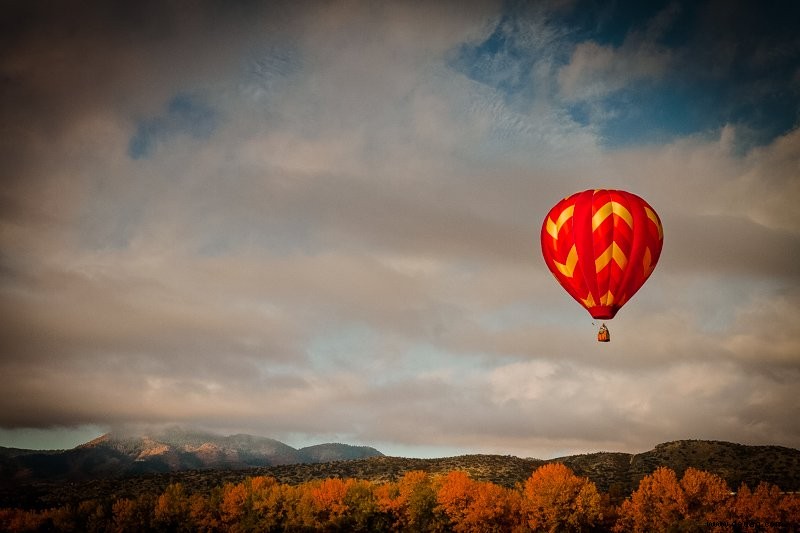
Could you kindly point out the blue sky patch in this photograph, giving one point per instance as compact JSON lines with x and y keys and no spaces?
{"x":498,"y":61}
{"x":697,"y":93}
{"x":185,"y":115}
{"x":650,"y":113}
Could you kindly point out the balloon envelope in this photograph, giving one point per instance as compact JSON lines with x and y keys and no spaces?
{"x":601,"y":246}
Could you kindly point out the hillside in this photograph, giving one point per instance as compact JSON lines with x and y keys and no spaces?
{"x":616,"y":473}
{"x":735,"y":463}
{"x":325,"y":453}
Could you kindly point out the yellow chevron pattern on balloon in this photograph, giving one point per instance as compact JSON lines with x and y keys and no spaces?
{"x":652,"y":216}
{"x":607,"y":210}
{"x":554,"y":227}
{"x":647,"y":261}
{"x":612,"y":252}
{"x":568,"y":268}
{"x":607,"y":299}
{"x":588,"y":301}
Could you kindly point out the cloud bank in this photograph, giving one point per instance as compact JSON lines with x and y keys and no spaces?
{"x":320,"y":222}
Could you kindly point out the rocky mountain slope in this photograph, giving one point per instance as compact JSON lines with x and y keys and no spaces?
{"x":172,"y":450}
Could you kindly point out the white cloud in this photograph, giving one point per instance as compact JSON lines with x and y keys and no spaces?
{"x":595,"y":70}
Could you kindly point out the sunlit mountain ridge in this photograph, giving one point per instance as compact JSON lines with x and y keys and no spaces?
{"x":170,"y":450}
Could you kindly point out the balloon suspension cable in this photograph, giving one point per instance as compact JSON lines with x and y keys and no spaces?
{"x":603,"y":335}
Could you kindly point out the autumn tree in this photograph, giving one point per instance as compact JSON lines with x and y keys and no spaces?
{"x":656,"y":505}
{"x":790,"y":508}
{"x":410,"y":504}
{"x":172,"y":510}
{"x":323,"y":503}
{"x":760,"y":510}
{"x":274,"y":505}
{"x":283,"y":507}
{"x":455,"y":497}
{"x":20,"y":520}
{"x":389,"y":505}
{"x":91,"y":516}
{"x":205,"y":511}
{"x":362,"y":508}
{"x":557,"y":500}
{"x":474,"y":506}
{"x":123,"y":516}
{"x":233,"y":505}
{"x":705,"y":496}
{"x":661,"y":503}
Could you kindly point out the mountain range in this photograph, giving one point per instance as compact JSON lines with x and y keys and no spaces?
{"x":131,"y":465}
{"x":171,"y":450}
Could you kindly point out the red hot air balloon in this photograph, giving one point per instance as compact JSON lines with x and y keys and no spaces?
{"x":602,"y":245}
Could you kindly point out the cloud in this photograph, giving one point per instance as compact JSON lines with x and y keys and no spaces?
{"x":596,"y":70}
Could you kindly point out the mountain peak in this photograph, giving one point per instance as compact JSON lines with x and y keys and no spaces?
{"x":171,"y":449}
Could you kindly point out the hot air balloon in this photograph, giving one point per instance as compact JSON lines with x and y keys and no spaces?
{"x":601,"y":246}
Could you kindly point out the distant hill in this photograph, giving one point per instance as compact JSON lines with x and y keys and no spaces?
{"x":172,"y":450}
{"x":17,"y":452}
{"x":325,"y":453}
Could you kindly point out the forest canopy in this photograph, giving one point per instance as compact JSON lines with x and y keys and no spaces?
{"x":553,"y":498}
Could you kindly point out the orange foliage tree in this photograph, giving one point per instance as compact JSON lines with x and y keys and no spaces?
{"x":765,"y":509}
{"x":478,"y":506}
{"x":656,"y":505}
{"x":661,"y":503}
{"x":789,"y":508}
{"x":324,"y":502}
{"x":705,"y":496}
{"x":556,"y":500}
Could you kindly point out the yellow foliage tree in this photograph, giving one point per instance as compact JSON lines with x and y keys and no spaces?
{"x":172,"y":512}
{"x":123,"y":513}
{"x":410,"y":504}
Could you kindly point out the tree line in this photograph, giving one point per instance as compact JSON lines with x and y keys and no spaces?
{"x":552,"y":499}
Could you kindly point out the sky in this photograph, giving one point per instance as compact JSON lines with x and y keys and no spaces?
{"x":319,"y":221}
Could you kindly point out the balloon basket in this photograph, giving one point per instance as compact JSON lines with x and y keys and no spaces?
{"x":603,"y":335}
